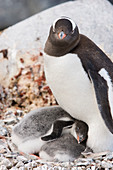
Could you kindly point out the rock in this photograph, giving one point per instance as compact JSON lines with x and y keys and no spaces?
{"x":10,"y":10}
{"x":19,"y":164}
{"x":109,"y":157}
{"x":28,"y":165}
{"x":106,"y":165}
{"x":3,"y":131}
{"x":19,"y":113}
{"x":6,"y":162}
{"x":22,"y":168}
{"x":2,"y":144}
{"x":21,"y":158}
{"x":1,"y":122}
{"x":84,"y":162}
{"x":93,"y":167}
{"x":3,"y":167}
{"x":13,"y":168}
{"x":9,"y":121}
{"x":34,"y":164}
{"x":25,"y":40}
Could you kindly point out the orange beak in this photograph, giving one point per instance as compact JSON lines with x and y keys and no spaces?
{"x":61,"y":35}
{"x":78,"y":138}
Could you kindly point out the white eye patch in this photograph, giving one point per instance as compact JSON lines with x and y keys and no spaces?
{"x":63,"y":17}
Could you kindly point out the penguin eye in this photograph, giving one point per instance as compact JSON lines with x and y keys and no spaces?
{"x":61,"y":35}
{"x":77,"y":128}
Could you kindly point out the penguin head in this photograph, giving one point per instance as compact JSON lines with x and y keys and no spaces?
{"x":63,"y":37}
{"x":81,"y":130}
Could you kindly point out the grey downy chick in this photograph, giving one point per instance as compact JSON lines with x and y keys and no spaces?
{"x":67,"y":147}
{"x":39,"y":126}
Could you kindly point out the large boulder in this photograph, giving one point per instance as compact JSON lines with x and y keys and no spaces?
{"x":13,"y":11}
{"x":25,"y":40}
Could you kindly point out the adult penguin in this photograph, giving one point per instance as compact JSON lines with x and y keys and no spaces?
{"x":80,"y":76}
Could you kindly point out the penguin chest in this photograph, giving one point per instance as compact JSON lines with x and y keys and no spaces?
{"x":70,"y":84}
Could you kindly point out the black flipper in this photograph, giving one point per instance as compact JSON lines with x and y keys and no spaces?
{"x":101,"y":91}
{"x":57,"y":129}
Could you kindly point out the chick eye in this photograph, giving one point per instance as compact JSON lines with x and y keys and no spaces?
{"x":61,"y":35}
{"x":77,"y":128}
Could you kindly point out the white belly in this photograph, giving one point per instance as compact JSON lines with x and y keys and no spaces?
{"x":71,"y":86}
{"x":75,"y":94}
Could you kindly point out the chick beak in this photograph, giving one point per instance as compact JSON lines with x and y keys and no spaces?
{"x":78,"y":139}
{"x":61,"y":35}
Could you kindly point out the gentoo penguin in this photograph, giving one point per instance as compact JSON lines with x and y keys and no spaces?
{"x":62,"y":149}
{"x":40,"y":126}
{"x":80,"y":76}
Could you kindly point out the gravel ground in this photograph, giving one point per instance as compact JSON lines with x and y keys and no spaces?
{"x":28,"y":90}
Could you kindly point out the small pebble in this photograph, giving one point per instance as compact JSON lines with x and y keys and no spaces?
{"x":97,"y":161}
{"x":93,"y":167}
{"x":13,"y":168}
{"x":8,"y":113}
{"x":6,"y":162}
{"x":19,"y":164}
{"x":34,"y":164}
{"x":21,"y":158}
{"x":19,"y":113}
{"x":29,"y":165}
{"x":3,"y":131}
{"x":1,"y":122}
{"x":84,"y":162}
{"x":3,"y":167}
{"x":109,"y":157}
{"x":106,"y":164}
{"x":10,"y":121}
{"x":22,"y":168}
